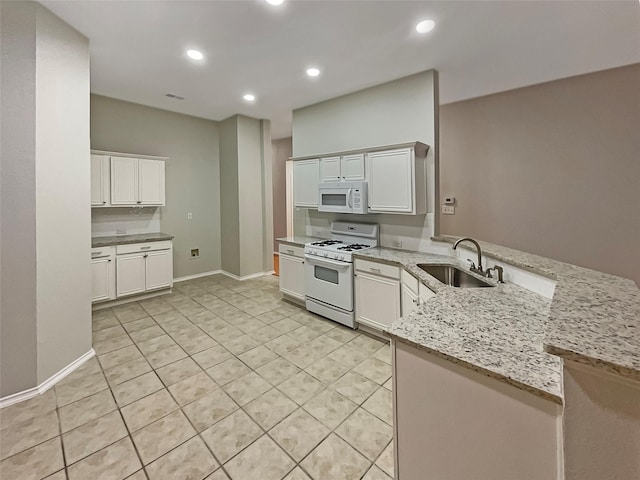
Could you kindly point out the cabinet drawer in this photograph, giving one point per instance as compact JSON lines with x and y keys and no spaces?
{"x":101,"y":252}
{"x":291,"y":250}
{"x":378,"y":268}
{"x":410,"y":281}
{"x":143,"y":247}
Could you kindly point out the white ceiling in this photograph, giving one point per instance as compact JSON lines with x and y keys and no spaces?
{"x":479,"y":47}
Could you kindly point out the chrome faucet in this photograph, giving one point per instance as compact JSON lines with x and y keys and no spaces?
{"x":473,"y":267}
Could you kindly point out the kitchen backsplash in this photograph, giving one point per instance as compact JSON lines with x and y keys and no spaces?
{"x":396,"y":231}
{"x":124,"y":221}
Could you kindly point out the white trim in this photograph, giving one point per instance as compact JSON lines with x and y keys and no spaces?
{"x":128,"y":155}
{"x":48,"y":383}
{"x":248,"y":277}
{"x":197,"y":275}
{"x":130,"y":298}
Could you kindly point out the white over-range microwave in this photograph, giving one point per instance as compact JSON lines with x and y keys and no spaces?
{"x":343,"y":197}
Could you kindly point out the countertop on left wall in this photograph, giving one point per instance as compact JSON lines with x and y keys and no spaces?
{"x":125,"y":239}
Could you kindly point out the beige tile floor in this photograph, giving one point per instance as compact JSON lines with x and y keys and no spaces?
{"x":219,"y":380}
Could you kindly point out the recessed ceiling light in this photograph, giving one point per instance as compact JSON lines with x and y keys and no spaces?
{"x":195,"y":54}
{"x":425,"y":26}
{"x":275,"y":3}
{"x":313,"y":72}
{"x":249,"y":97}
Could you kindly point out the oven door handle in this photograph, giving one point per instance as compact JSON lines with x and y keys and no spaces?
{"x":326,"y":261}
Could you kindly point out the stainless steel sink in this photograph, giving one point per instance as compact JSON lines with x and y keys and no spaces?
{"x":453,"y":276}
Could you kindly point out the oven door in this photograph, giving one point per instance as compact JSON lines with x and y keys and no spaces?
{"x":329,"y":281}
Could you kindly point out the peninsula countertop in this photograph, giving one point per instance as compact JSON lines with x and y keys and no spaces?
{"x":496,"y":331}
{"x":126,"y":239}
{"x":594,"y":317}
{"x":515,"y":335}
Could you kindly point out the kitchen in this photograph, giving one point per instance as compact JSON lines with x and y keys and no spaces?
{"x":126,"y":117}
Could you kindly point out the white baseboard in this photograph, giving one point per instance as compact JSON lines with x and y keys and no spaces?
{"x":197,"y":275}
{"x":247,"y":277}
{"x":129,"y":299}
{"x":47,"y":384}
{"x":223,"y":272}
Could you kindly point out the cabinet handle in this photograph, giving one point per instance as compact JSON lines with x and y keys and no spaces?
{"x":146,"y":256}
{"x":139,"y":201}
{"x":95,"y":254}
{"x":415,"y":300}
{"x":290,"y":251}
{"x":104,"y":201}
{"x":109,"y":260}
{"x":145,"y":248}
{"x":374,"y":269}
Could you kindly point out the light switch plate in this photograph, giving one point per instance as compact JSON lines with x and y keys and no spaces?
{"x":448,"y":210}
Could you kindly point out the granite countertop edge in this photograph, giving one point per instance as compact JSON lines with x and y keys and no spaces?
{"x":482,"y":370}
{"x":297,"y":240}
{"x":128,"y":239}
{"x":593,"y":317}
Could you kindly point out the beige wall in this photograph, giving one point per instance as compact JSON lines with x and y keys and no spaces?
{"x":192,"y":174}
{"x":401,"y":111}
{"x":281,"y":153}
{"x":552,"y":169}
{"x":246,"y":196}
{"x":18,"y":355}
{"x":230,"y":213}
{"x":46,"y":228}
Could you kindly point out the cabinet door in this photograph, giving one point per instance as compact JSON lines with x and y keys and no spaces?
{"x":409,"y":301}
{"x":103,"y":281}
{"x":425,"y":294}
{"x":159,"y":269}
{"x":305,"y":183}
{"x":353,"y":167}
{"x":377,"y":300}
{"x":150,"y":182}
{"x":131,"y":274}
{"x":99,"y":180}
{"x":292,"y":276}
{"x":124,"y":181}
{"x":330,"y":169}
{"x":390,"y":178}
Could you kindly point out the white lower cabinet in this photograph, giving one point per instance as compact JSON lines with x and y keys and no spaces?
{"x":131,"y":274}
{"x":159,"y":270}
{"x":131,"y":269}
{"x":103,"y":274}
{"x":377,"y":291}
{"x":414,"y":293}
{"x":292,"y":271}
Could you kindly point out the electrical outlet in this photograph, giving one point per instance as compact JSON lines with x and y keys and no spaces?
{"x":448,"y":210}
{"x":189,"y":216}
{"x":195,"y":252}
{"x":396,"y":243}
{"x":120,"y":231}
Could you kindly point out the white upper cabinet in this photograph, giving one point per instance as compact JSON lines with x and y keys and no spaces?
{"x":100,"y":191}
{"x":352,"y":167}
{"x":305,"y":183}
{"x":330,"y":169}
{"x":151,"y":182}
{"x":124,"y":181}
{"x":342,"y":169}
{"x":136,"y":181}
{"x":397,"y":182}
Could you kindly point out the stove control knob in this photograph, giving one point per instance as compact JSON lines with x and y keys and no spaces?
{"x":326,"y":254}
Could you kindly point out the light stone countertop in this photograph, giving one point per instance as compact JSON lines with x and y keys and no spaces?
{"x":594,"y":317}
{"x":126,"y":239}
{"x":495,"y":331}
{"x":298,"y":240}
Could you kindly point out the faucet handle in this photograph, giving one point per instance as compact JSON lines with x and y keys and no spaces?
{"x":473,"y":265}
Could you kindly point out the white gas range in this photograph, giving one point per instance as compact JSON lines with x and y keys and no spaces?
{"x":329,"y":270}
